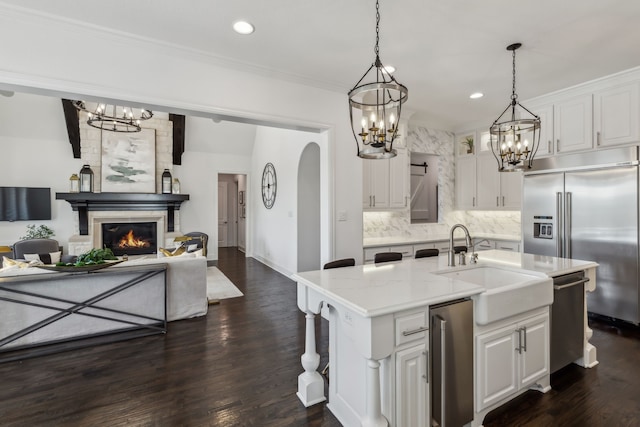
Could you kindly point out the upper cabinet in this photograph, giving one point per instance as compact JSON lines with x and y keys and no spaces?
{"x":615,"y":115}
{"x":383,"y":182}
{"x":466,"y":182}
{"x":573,"y":124}
{"x":479,"y":184}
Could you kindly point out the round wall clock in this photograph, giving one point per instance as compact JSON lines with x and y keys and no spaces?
{"x":269,"y":183}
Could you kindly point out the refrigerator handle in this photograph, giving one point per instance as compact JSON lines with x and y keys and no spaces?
{"x":559,"y":231}
{"x":443,"y":358}
{"x":567,"y":225}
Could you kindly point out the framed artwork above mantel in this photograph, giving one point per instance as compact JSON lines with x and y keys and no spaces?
{"x":128,"y":162}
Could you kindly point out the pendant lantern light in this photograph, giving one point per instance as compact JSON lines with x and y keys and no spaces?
{"x":515,"y":134}
{"x":375,"y":107}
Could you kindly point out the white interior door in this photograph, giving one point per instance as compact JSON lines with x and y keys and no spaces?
{"x":223,"y":216}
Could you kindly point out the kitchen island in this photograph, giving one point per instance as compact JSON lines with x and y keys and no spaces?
{"x":379,"y":333}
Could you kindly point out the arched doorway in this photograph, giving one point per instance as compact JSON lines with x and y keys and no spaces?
{"x":309,"y":241}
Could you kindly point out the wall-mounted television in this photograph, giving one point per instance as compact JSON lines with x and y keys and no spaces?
{"x":25,"y":203}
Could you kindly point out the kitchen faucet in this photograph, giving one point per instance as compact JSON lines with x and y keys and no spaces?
{"x":452,"y":259}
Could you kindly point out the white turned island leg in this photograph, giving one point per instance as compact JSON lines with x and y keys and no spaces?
{"x":374,"y":417}
{"x":310,"y":382}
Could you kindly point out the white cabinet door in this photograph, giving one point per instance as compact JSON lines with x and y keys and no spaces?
{"x":465,"y":182}
{"x":573,"y":124}
{"x":376,"y":183}
{"x":412,"y":392}
{"x":367,"y":190}
{"x":546,"y":147}
{"x":511,"y":358}
{"x":494,"y":189}
{"x":615,"y":115}
{"x":487,"y":183}
{"x":534,"y":359}
{"x":496,"y":366}
{"x":511,"y":190}
{"x":398,"y":177}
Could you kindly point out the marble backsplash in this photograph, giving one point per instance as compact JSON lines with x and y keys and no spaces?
{"x":397,"y":223}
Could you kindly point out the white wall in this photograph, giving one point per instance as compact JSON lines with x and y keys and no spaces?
{"x":66,"y":62}
{"x":274,"y":230}
{"x":36,"y":153}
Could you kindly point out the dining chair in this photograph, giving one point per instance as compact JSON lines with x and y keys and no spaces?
{"x":424,"y":253}
{"x":345,"y":262}
{"x":387,"y":256}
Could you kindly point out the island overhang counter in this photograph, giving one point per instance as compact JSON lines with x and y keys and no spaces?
{"x":368,"y":305}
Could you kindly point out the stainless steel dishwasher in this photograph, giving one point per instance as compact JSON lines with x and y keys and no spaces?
{"x":452,"y":363}
{"x":567,"y":319}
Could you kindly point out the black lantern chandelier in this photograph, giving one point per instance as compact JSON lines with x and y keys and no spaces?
{"x":375,"y":107}
{"x":515,"y":134}
{"x":114,"y":118}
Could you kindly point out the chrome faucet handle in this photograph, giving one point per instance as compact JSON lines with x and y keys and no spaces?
{"x":461,"y":259}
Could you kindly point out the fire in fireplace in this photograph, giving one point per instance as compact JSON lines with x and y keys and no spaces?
{"x":132,"y":238}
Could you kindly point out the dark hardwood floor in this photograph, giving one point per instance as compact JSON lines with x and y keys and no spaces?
{"x":238,"y":366}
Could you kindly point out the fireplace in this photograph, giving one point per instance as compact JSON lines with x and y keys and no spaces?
{"x":130,"y":238}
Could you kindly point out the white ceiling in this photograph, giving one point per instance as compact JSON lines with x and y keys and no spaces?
{"x":443,"y":50}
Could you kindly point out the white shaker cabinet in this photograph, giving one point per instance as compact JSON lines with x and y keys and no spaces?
{"x":465,"y":184}
{"x":494,"y":189}
{"x":573,"y":124}
{"x":511,"y":357}
{"x":375,"y":184}
{"x":615,"y":115}
{"x":412,"y":391}
{"x":384,"y":182}
{"x":398,"y":179}
{"x":411,"y":376}
{"x":547,"y":143}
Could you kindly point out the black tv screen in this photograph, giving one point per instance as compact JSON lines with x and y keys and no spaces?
{"x":25,"y":203}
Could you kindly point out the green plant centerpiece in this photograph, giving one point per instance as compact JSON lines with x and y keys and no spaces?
{"x":39,"y":232}
{"x":93,"y":257}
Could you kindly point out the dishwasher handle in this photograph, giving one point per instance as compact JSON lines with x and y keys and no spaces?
{"x":568,"y":285}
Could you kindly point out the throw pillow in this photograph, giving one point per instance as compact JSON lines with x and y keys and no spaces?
{"x":49,"y":258}
{"x":10,"y":264}
{"x":168,"y":252}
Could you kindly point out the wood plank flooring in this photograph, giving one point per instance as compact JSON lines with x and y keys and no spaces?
{"x":238,"y":366}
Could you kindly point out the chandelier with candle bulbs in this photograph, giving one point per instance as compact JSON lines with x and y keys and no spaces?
{"x":515,"y":134}
{"x":113,"y":118}
{"x":375,"y":107}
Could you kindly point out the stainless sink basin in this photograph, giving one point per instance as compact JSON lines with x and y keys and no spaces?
{"x":508,"y":292}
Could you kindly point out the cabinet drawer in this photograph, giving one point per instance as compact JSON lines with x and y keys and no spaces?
{"x":405,"y":250}
{"x":416,"y":248}
{"x":411,"y":327}
{"x":508,"y":246}
{"x":484,"y":245}
{"x":370,"y":253}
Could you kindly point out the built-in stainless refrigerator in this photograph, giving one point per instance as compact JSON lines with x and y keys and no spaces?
{"x":586,"y":207}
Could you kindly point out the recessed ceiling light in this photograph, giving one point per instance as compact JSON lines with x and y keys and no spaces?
{"x":476,"y":95}
{"x":243,"y":27}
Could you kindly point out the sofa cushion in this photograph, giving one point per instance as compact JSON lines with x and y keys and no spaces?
{"x":46,"y":258}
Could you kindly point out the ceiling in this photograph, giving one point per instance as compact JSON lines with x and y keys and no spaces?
{"x":443,"y":50}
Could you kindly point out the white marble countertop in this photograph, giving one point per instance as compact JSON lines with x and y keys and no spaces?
{"x":378,"y":289}
{"x":372,"y":242}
